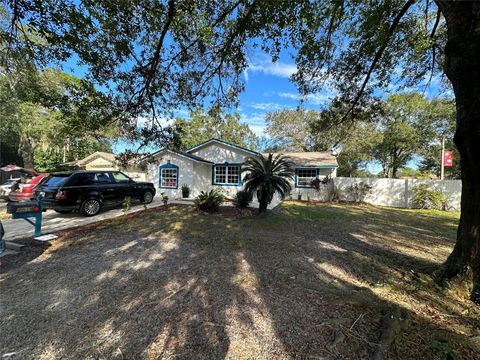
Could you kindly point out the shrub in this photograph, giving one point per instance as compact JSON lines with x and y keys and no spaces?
{"x":127,"y":203}
{"x":359,"y":191}
{"x":316,"y":183}
{"x":242,"y":199}
{"x":165,"y":198}
{"x":425,"y":197}
{"x":209,"y":201}
{"x":185,"y":191}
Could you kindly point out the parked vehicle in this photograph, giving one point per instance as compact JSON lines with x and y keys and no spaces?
{"x":26,"y":191}
{"x":6,"y":187}
{"x":89,"y":191}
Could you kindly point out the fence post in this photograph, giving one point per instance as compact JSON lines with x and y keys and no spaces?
{"x":406,"y":194}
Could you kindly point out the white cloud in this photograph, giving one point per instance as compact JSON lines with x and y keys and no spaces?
{"x":268,"y":67}
{"x":321,"y":98}
{"x":289,"y":95}
{"x":266,"y":106}
{"x":255,"y":121}
{"x":245,"y":75}
{"x":258,"y":130}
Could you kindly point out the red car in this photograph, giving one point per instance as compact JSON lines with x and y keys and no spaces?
{"x":26,"y":191}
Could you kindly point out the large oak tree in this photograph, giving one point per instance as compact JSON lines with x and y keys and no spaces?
{"x":156,"y":56}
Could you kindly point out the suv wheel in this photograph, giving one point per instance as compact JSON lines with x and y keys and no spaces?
{"x":90,"y":207}
{"x":147,"y":197}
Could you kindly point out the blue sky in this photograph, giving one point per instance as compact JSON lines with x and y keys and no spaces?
{"x":268,"y":88}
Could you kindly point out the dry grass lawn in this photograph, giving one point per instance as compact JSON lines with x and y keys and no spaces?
{"x":306,"y":281}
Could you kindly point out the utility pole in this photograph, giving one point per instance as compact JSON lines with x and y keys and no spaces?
{"x":442,"y":170}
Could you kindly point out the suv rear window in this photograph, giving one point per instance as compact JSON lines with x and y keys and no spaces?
{"x":55,"y":180}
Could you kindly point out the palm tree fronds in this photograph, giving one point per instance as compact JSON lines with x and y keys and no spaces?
{"x":268,"y":175}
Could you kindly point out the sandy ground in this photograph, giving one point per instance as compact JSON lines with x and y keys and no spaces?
{"x":306,"y":281}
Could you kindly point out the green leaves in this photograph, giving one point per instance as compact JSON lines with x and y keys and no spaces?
{"x":55,"y":110}
{"x":390,"y":132}
{"x":202,"y":127}
{"x":267,"y":176}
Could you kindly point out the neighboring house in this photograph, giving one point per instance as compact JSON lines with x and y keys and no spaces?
{"x":101,"y":160}
{"x":217,"y":164}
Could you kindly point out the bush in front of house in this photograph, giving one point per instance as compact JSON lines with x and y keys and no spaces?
{"x":424,"y":197}
{"x":359,"y":191}
{"x":165,"y":199}
{"x":242,"y":199}
{"x":185,"y":191}
{"x":209,"y":200}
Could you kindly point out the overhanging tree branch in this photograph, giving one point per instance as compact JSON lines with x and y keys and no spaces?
{"x":378,"y":55}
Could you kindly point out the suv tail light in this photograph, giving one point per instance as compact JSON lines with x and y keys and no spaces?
{"x":61,"y":195}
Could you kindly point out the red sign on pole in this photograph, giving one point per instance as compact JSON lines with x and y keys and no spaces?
{"x":448,"y":158}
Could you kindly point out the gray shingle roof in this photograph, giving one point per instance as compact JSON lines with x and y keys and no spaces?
{"x":311,"y":158}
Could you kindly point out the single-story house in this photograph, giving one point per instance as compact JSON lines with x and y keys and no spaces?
{"x":217,"y":164}
{"x":101,"y":160}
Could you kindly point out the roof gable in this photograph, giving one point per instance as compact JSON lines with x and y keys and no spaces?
{"x":97,"y":154}
{"x":181,"y":154}
{"x":224,"y":143}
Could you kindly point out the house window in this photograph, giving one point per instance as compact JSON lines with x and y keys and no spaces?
{"x":226,"y":175}
{"x":306,"y":176}
{"x":169,"y":176}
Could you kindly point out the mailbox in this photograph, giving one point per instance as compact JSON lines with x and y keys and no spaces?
{"x":26,"y":210}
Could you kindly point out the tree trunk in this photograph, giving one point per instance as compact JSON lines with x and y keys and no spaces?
{"x":25,"y":150}
{"x":263,"y":207}
{"x":462,"y":67}
{"x":262,"y":200}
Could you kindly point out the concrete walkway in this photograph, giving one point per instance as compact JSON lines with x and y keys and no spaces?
{"x":52,"y":221}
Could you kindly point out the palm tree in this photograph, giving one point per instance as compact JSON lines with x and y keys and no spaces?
{"x":266,"y":176}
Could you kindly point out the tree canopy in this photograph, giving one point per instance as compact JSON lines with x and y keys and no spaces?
{"x":50,"y":117}
{"x":170,"y":54}
{"x":201,"y":127}
{"x":399,"y":128}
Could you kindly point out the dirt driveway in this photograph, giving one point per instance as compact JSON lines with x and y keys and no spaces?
{"x":308,"y":281}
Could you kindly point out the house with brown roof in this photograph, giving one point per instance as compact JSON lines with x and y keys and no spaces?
{"x":101,"y":160}
{"x":217,"y":164}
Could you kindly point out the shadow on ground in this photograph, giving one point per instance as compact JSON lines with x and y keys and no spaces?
{"x":305,"y":281}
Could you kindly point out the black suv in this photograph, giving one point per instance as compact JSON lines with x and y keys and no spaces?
{"x":89,"y":191}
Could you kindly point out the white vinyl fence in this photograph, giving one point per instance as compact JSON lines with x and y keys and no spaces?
{"x":385,"y":192}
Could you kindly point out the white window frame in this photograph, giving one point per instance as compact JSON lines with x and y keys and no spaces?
{"x":162,"y":177}
{"x":228,"y":173}
{"x":305,"y":181}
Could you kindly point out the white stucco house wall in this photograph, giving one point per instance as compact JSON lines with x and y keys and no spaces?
{"x":217,"y":164}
